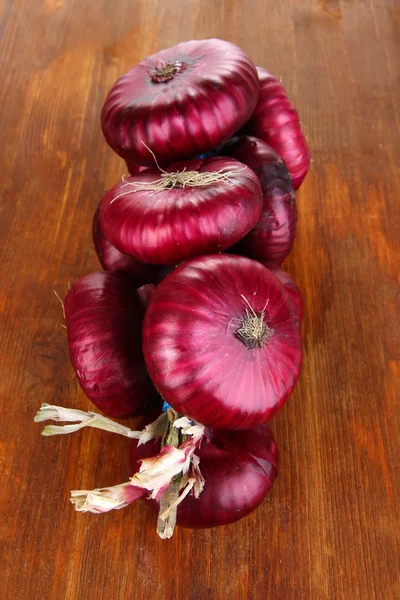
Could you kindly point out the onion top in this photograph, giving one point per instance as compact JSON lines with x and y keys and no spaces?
{"x":180,"y":102}
{"x":196,"y":207}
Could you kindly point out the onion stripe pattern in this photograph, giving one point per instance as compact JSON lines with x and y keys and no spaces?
{"x":103,"y":315}
{"x":198,"y":364}
{"x":276,"y":121}
{"x":180,"y":102}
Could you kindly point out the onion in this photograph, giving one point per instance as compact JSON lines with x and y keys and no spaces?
{"x":180,"y":102}
{"x":221,"y":341}
{"x":238,"y":467}
{"x":276,"y":121}
{"x":162,"y":218}
{"x":112,"y":259}
{"x":145,"y":294}
{"x":290,"y":285}
{"x":103,"y":314}
{"x":272,"y":237}
{"x":134,"y":168}
{"x":227,"y":474}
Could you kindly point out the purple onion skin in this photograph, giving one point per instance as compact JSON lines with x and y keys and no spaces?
{"x":239,"y":468}
{"x":272,"y":238}
{"x":134,"y":168}
{"x":112,"y":259}
{"x":145,"y":293}
{"x":103,"y":315}
{"x":198,"y":364}
{"x":290,"y":285}
{"x":210,"y":96}
{"x":173,"y":225}
{"x":276,"y":122}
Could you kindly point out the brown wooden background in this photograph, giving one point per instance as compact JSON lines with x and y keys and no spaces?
{"x":330,"y":528}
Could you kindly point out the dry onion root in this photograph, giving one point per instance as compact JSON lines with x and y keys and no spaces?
{"x":170,"y":180}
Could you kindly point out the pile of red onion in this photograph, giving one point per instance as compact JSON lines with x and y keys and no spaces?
{"x":192,"y":324}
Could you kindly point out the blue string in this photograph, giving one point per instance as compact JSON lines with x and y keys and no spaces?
{"x":209,"y":154}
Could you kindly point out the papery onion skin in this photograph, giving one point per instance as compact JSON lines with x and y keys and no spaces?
{"x":210,"y":96}
{"x":291,"y":286}
{"x":103,"y":316}
{"x":239,"y":468}
{"x":272,"y":238}
{"x":112,"y":259}
{"x":172,"y":225}
{"x":276,"y":122}
{"x":192,"y":351}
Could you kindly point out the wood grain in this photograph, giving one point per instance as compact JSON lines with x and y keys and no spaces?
{"x":330,"y":528}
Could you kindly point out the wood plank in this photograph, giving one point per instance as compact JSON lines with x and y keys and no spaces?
{"x":330,"y":527}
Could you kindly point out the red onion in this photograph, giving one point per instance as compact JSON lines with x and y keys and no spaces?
{"x":112,"y":259}
{"x":272,"y":237}
{"x":134,"y":168}
{"x":103,"y":314}
{"x":221,"y":341}
{"x":168,"y":226}
{"x":227,"y":473}
{"x":276,"y":121}
{"x":180,"y":102}
{"x":290,"y":285}
{"x":145,"y":294}
{"x":239,"y":468}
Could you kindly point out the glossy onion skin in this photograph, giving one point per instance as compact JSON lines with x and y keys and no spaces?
{"x":272,"y":238}
{"x":134,"y":168}
{"x":172,"y":225}
{"x":239,"y":468}
{"x":194,"y":358}
{"x":291,"y":286}
{"x":112,"y":259}
{"x":211,"y":97}
{"x":103,"y":315}
{"x":276,"y":122}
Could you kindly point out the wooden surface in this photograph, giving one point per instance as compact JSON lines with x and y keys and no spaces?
{"x":330,"y":528}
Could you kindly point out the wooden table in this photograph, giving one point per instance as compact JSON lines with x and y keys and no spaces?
{"x":330,"y":528}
